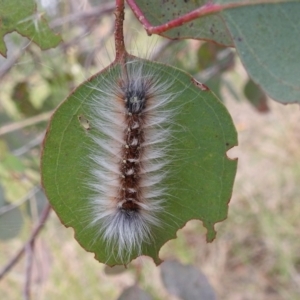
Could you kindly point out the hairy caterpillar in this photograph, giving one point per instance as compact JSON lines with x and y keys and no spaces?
{"x":129,"y":156}
{"x":122,"y":205}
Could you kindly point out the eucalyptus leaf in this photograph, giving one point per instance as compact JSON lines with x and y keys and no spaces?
{"x":256,"y":96}
{"x":200,"y":177}
{"x":267,"y":40}
{"x":211,"y":27}
{"x":265,"y":34}
{"x":22,"y":16}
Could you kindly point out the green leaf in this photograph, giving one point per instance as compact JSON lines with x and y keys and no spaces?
{"x":21,"y":16}
{"x":207,"y":28}
{"x":200,"y":178}
{"x":256,"y":96}
{"x":267,"y":40}
{"x":21,"y":97}
{"x":265,"y":34}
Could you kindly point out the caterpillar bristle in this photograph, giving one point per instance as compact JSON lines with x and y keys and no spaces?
{"x":130,"y":131}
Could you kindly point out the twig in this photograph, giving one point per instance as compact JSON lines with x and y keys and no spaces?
{"x":29,"y":250}
{"x":25,"y":123}
{"x":34,"y":234}
{"x":94,"y":12}
{"x":12,"y":59}
{"x":204,"y":10}
{"x":6,"y":208}
{"x":31,"y":144}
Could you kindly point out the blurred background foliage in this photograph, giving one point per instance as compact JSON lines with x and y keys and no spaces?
{"x":256,"y":253}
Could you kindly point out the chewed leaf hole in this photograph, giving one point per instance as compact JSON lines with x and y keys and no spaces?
{"x":232,"y":153}
{"x":84,"y":122}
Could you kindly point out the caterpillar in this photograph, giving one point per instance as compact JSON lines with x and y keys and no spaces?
{"x":131,"y":136}
{"x":134,"y":153}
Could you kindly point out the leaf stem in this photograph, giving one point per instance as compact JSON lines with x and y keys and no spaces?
{"x":29,"y":250}
{"x":119,"y":35}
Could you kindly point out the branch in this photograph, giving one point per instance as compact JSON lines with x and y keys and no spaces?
{"x":25,"y":123}
{"x":204,"y":10}
{"x":29,"y":249}
{"x":13,"y":58}
{"x":34,"y":234}
{"x":11,"y":206}
{"x":28,"y":146}
{"x":91,"y":13}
